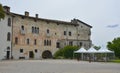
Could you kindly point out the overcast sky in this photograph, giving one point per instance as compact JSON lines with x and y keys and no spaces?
{"x":103,"y":15}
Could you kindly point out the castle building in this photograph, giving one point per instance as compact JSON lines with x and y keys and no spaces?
{"x":27,"y":37}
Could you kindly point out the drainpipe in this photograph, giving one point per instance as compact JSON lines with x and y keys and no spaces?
{"x":12,"y":38}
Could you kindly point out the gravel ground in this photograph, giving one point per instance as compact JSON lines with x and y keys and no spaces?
{"x":57,"y":66}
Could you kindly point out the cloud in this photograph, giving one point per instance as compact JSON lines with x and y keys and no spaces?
{"x":113,"y":26}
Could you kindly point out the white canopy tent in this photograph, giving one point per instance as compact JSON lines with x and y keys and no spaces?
{"x":104,"y":51}
{"x":81,"y":50}
{"x":93,"y":51}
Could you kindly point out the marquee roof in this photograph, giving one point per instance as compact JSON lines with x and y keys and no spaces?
{"x":92,"y":50}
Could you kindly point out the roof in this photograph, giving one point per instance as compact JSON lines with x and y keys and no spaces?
{"x":81,"y":50}
{"x":84,"y":23}
{"x":43,"y":19}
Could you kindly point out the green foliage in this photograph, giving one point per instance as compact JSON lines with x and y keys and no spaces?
{"x":97,"y":47}
{"x":115,"y":46}
{"x":66,"y":52}
{"x":2,"y":13}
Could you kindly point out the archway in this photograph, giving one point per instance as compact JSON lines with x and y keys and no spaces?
{"x":46,"y":54}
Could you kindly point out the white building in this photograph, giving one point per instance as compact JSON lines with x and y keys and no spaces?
{"x":5,"y":36}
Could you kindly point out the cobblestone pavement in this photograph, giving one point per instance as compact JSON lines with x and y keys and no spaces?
{"x":57,"y":66}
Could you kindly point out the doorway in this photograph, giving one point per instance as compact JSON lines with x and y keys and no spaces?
{"x":31,"y":54}
{"x":8,"y":55}
{"x":46,"y":54}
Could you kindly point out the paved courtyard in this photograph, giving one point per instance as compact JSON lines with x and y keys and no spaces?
{"x":57,"y":66}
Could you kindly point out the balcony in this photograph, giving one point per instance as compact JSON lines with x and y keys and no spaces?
{"x":48,"y":35}
{"x":22,"y":32}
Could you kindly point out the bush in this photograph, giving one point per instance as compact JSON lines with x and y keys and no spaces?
{"x":66,"y":52}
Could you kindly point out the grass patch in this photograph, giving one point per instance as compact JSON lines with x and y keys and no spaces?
{"x":116,"y":61}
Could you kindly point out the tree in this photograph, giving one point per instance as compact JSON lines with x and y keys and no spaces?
{"x":66,"y":52}
{"x":97,"y":47}
{"x":115,"y":46}
{"x":2,"y":13}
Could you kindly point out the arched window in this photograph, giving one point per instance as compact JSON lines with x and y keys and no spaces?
{"x":50,"y":42}
{"x":45,"y":42}
{"x":35,"y":42}
{"x":28,"y":42}
{"x":8,"y":36}
{"x":9,"y":21}
{"x":37,"y":30}
{"x":33,"y":29}
{"x":22,"y":27}
{"x":16,"y":40}
{"x":48,"y":31}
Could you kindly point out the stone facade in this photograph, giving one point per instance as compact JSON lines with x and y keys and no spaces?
{"x":36,"y":38}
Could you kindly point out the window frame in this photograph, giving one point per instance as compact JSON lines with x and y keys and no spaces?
{"x":9,"y":21}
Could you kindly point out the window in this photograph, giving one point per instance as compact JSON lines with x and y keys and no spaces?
{"x":33,"y":29}
{"x":22,"y":27}
{"x":64,"y":32}
{"x":71,"y":43}
{"x":8,"y":36}
{"x":49,"y":42}
{"x":48,"y":31}
{"x":38,"y":30}
{"x":69,"y":33}
{"x":80,"y":44}
{"x":45,"y":42}
{"x":9,"y":22}
{"x":36,"y":50}
{"x":35,"y":42}
{"x":28,"y":41}
{"x":21,"y":50}
{"x":57,"y":45}
{"x":16,"y":40}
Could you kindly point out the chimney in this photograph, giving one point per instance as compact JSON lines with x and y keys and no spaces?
{"x":6,"y":8}
{"x":26,"y":13}
{"x":74,"y":21}
{"x":36,"y":15}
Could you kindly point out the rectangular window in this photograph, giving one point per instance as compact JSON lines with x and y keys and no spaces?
{"x":45,"y":42}
{"x":35,"y":42}
{"x":71,"y":43}
{"x":16,"y":40}
{"x":57,"y":45}
{"x":64,"y":32}
{"x":9,"y":22}
{"x":28,"y":41}
{"x":70,"y":33}
{"x":21,"y":50}
{"x":8,"y":36}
